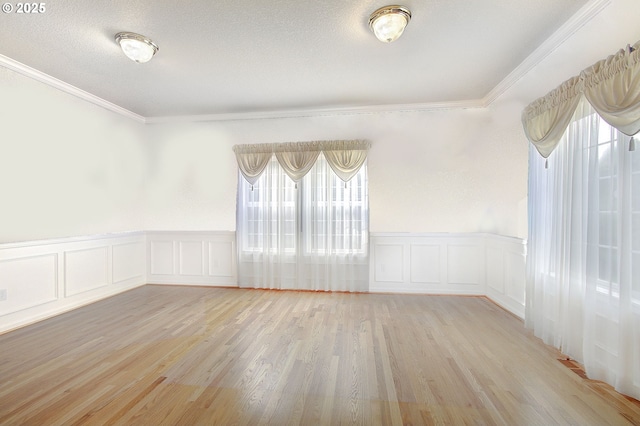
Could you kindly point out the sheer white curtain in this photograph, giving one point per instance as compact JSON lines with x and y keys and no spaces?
{"x":583,"y":258}
{"x":299,"y":225}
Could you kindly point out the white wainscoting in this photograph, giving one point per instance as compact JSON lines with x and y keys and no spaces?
{"x":470,"y":264}
{"x":192,"y":258}
{"x":506,"y":275}
{"x":45,"y":278}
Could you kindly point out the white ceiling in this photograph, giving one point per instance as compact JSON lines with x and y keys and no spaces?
{"x":243,"y":56}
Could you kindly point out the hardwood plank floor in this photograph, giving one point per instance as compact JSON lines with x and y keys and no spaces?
{"x":163,"y":355}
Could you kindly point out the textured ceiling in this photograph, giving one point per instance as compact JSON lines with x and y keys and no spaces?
{"x":241,"y":56}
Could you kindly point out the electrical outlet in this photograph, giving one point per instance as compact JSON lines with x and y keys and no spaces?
{"x":3,"y":294}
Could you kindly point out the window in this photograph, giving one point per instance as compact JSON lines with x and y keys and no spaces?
{"x":583,"y":256}
{"x":334,"y":214}
{"x":602,"y":150}
{"x":313,"y":234}
{"x":320,"y":214}
{"x":269,"y":219}
{"x":609,"y":206}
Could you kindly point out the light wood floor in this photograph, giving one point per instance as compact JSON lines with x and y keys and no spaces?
{"x":185,"y":355}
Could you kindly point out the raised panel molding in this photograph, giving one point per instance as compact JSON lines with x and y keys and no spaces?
{"x":129,"y":261}
{"x":425,"y":264}
{"x":389,"y":262}
{"x":470,"y":264}
{"x":495,"y":275}
{"x":29,"y":281}
{"x":515,"y":273}
{"x":465,"y":264}
{"x":47,"y":278}
{"x":85,"y":270}
{"x":222,"y":259}
{"x":191,"y":258}
{"x":506,"y":258}
{"x":162,"y":257}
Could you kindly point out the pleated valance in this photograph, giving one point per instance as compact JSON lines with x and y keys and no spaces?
{"x":297,"y":158}
{"x":611,"y":86}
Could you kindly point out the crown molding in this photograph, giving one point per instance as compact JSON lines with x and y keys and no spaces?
{"x":42,"y":77}
{"x":66,"y":87}
{"x":577,"y":21}
{"x":584,"y":15}
{"x":319,"y":112}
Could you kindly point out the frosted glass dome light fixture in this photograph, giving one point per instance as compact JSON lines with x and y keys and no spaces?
{"x":138,"y":48}
{"x":389,"y":22}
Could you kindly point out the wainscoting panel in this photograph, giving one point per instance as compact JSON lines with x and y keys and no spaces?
{"x":191,"y":255}
{"x":495,"y":269}
{"x":45,"y":278}
{"x":390,"y":267}
{"x":425,"y":264}
{"x":470,"y":264}
{"x":465,"y":264}
{"x":192,"y":258}
{"x":28,"y":282}
{"x":505,"y":258}
{"x":161,"y":257}
{"x":129,"y":262}
{"x":85,"y":270}
{"x":221,"y":259}
{"x":515,"y":271}
{"x":41,"y":279}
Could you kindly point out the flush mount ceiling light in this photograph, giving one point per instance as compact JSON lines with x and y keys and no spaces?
{"x":137,"y":47}
{"x":388,"y":22}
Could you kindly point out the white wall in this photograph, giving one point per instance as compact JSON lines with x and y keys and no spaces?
{"x":451,"y":171}
{"x":428,"y":171}
{"x":191,"y":178}
{"x":73,"y":168}
{"x":67,"y":167}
